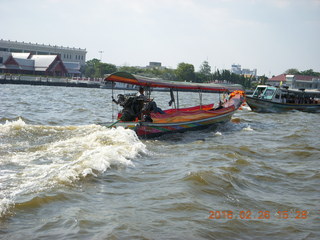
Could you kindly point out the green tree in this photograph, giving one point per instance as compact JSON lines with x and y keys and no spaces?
{"x":132,"y":70}
{"x":110,"y":68}
{"x":168,"y":74}
{"x":292,"y":71}
{"x":95,"y":68}
{"x":226,"y":75}
{"x":89,"y":69}
{"x":200,"y":77}
{"x":216,"y":75}
{"x":102,"y":69}
{"x":185,"y":72}
{"x":310,"y":72}
{"x":205,"y":69}
{"x":262,"y":79}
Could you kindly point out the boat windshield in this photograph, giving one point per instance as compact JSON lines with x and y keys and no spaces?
{"x":258,"y":92}
{"x":268,"y":93}
{"x":264,"y":92}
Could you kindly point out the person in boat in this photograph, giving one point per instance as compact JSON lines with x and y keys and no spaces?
{"x":132,"y":106}
{"x":141,"y":95}
{"x":219,"y":106}
{"x":150,"y":105}
{"x":120,"y":101}
{"x":225,"y":96}
{"x":284,"y":99}
{"x":136,"y":106}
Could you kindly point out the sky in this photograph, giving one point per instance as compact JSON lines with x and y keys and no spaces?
{"x":269,"y":35}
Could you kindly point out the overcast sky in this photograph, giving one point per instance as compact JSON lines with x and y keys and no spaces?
{"x":269,"y":35}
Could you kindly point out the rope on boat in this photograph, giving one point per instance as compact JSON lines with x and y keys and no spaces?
{"x":113,"y":123}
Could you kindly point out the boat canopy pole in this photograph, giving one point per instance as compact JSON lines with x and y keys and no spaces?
{"x":148,"y":90}
{"x":200,"y":96}
{"x":177,"y":99}
{"x":172,"y":99}
{"x":112,"y":117}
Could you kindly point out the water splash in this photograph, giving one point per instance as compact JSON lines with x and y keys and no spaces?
{"x":34,"y":158}
{"x":248,"y":128}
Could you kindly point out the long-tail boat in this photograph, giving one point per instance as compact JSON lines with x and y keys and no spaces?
{"x":282,"y":99}
{"x":141,"y":114}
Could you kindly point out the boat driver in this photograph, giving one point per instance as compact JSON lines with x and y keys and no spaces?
{"x":150,"y":105}
{"x":141,"y":95}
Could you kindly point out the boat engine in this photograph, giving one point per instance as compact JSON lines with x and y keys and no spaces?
{"x":132,"y":106}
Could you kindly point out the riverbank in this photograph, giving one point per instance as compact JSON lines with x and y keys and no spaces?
{"x":71,"y":82}
{"x":50,"y":81}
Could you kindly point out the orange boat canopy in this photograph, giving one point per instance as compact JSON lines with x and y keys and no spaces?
{"x":128,"y":78}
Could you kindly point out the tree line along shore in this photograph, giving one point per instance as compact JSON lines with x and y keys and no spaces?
{"x":94,"y":72}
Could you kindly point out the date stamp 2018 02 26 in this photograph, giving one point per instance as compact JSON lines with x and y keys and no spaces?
{"x":262,"y":214}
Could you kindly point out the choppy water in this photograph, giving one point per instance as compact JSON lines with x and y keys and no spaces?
{"x":64,"y":176}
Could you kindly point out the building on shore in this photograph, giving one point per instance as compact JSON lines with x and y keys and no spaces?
{"x":66,"y":54}
{"x":155,"y":65}
{"x":236,"y":69}
{"x":45,"y":65}
{"x":40,"y":59}
{"x":295,"y":81}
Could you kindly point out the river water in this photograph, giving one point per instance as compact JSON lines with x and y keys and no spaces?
{"x":63,"y":175}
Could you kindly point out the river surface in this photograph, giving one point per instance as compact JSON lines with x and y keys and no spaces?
{"x":63,"y":175}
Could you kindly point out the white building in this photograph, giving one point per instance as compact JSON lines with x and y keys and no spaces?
{"x":155,"y":65}
{"x":236,"y":69}
{"x":27,"y":63}
{"x":72,"y":55}
{"x":295,"y":81}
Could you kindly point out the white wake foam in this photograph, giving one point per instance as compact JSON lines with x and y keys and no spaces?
{"x":248,"y":128}
{"x":35,"y":158}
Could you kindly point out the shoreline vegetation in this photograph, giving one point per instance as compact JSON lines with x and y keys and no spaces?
{"x":183,"y":72}
{"x":186,"y":72}
{"x":95,"y":71}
